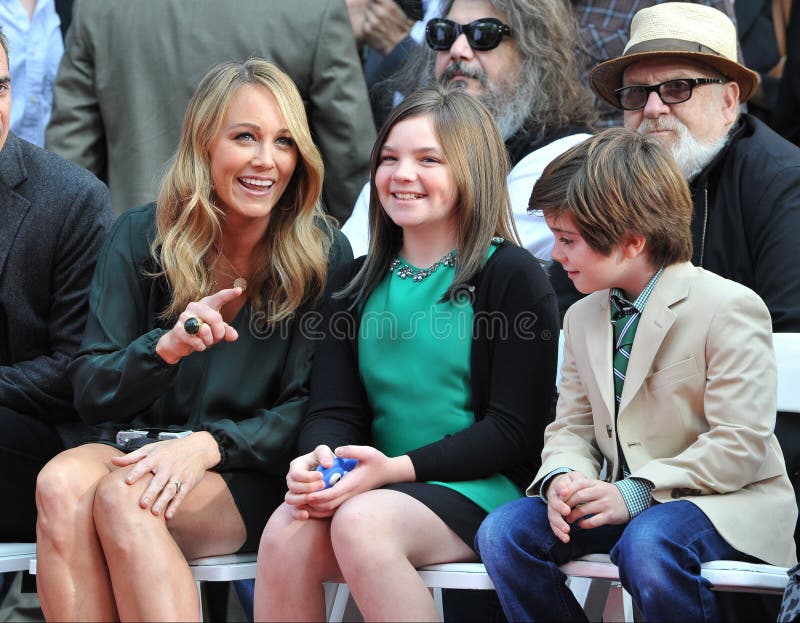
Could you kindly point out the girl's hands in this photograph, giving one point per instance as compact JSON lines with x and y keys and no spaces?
{"x":307,"y":491}
{"x":303,"y":479}
{"x":177,"y":343}
{"x":177,"y":465}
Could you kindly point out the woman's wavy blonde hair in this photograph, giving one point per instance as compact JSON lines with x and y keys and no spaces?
{"x":290,"y":262}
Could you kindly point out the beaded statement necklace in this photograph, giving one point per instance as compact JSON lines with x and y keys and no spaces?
{"x":403,"y":270}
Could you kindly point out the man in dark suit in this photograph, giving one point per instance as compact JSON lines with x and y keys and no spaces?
{"x":53,"y":217}
{"x":64,"y":10}
{"x":130,"y":67}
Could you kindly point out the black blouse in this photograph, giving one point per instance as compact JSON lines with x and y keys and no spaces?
{"x":251,"y":394}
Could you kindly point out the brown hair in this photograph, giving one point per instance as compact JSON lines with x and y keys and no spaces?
{"x":4,"y":43}
{"x":479,"y":163}
{"x":617,"y":183}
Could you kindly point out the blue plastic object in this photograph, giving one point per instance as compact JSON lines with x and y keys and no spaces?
{"x":336,"y":472}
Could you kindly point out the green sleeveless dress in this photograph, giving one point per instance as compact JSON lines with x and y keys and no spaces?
{"x":414,"y":360}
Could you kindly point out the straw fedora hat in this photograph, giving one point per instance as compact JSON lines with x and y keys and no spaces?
{"x":681,"y":30}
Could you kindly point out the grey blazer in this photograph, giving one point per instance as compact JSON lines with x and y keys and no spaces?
{"x":130,"y":67}
{"x":53,"y":220}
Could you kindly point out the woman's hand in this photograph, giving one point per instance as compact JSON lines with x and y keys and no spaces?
{"x":374,"y":470}
{"x":177,"y":465}
{"x":177,"y":343}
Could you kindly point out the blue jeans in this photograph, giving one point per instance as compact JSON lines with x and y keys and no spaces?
{"x":658,"y":553}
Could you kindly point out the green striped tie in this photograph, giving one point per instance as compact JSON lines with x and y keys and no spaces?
{"x":625,"y":319}
{"x":625,"y":322}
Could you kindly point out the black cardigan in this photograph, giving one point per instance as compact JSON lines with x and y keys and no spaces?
{"x":513,"y":366}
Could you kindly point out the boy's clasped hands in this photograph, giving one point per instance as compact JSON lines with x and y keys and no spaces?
{"x":573,"y":497}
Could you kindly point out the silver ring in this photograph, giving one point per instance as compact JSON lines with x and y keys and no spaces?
{"x":177,"y":484}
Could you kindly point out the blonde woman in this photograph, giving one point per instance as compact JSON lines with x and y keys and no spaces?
{"x":194,"y":329}
{"x":436,"y":372}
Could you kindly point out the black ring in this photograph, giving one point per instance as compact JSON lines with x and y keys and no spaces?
{"x":192,"y":325}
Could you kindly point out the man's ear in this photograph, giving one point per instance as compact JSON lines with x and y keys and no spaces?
{"x":730,"y":102}
{"x":633,"y":245}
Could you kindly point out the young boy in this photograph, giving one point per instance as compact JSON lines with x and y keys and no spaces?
{"x":669,"y":379}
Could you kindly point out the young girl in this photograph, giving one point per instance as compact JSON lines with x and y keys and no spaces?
{"x":438,"y":380}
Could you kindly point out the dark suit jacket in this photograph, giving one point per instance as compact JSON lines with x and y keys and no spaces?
{"x":53,"y":219}
{"x":130,"y":67}
{"x":64,"y":10}
{"x":786,"y":116}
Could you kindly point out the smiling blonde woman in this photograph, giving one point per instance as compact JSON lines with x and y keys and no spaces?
{"x":193,"y":330}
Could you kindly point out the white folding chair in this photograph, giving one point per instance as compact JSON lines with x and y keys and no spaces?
{"x":16,"y":556}
{"x":787,"y":354}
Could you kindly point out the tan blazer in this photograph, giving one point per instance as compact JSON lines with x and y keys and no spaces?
{"x":697,"y":413}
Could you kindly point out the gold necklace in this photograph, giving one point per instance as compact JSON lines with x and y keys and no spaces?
{"x":238,"y":281}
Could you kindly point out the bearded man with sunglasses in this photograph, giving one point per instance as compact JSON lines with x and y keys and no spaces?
{"x":518,"y":58}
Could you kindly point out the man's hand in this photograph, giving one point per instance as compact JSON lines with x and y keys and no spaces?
{"x":384,"y":25}
{"x":356,"y":10}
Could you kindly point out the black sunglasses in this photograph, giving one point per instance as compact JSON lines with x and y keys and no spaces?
{"x":670,"y":92}
{"x":482,"y":34}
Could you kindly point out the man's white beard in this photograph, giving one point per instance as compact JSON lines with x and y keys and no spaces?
{"x":691,"y":154}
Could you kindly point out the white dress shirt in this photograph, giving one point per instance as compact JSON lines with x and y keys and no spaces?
{"x":35,"y":51}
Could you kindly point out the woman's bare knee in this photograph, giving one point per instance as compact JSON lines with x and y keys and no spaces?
{"x":116,"y":510}
{"x":65,"y":490}
{"x":208,"y":522}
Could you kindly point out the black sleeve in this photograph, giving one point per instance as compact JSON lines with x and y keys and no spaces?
{"x":786,"y":115}
{"x":117,"y":374}
{"x":339,"y":412}
{"x":40,"y":385}
{"x":515,"y":350}
{"x":773,"y":227}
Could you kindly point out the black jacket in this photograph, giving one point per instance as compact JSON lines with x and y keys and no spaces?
{"x":53,"y":220}
{"x":513,"y":379}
